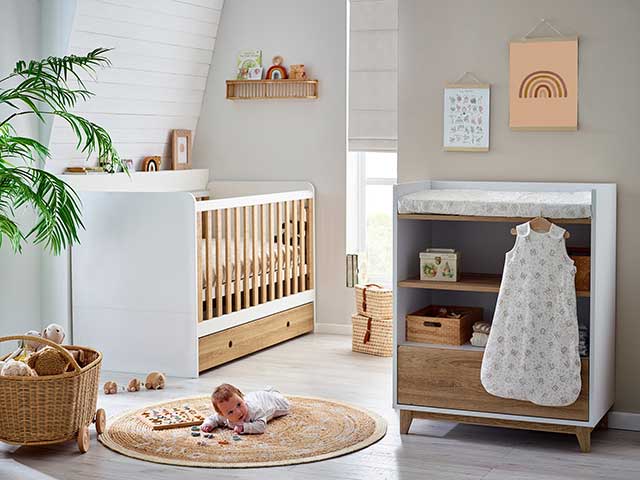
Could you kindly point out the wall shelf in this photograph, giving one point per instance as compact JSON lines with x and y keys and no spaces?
{"x":271,"y":89}
{"x":469,"y":282}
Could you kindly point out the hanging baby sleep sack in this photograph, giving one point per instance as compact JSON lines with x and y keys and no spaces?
{"x":532,"y":351}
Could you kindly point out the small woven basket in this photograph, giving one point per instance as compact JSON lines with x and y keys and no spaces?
{"x":49,"y":409}
{"x":372,"y":336}
{"x":374,"y":301}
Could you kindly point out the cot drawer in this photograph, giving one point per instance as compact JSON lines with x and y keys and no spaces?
{"x":222,"y":347}
{"x":450,"y":378}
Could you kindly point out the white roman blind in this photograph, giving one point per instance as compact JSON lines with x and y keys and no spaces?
{"x":161,"y":55}
{"x":373,"y":75}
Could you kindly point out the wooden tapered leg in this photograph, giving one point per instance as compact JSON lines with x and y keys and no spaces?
{"x":405,"y":420}
{"x":584,"y":438}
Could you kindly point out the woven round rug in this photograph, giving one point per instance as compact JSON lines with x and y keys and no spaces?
{"x":316,"y":429}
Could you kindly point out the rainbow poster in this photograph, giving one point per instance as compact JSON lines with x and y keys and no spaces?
{"x":543,"y":84}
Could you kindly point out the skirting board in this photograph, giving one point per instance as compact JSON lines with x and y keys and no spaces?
{"x":624,"y":421}
{"x":333,"y":328}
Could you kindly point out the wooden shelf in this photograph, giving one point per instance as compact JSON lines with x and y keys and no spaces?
{"x":468,"y":218}
{"x":271,"y":89}
{"x":469,"y":282}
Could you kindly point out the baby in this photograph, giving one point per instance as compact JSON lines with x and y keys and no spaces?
{"x":245,"y":415}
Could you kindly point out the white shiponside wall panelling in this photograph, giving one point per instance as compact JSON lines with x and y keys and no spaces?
{"x":160,"y":62}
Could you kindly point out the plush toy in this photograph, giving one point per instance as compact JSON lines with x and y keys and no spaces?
{"x":13,"y":368}
{"x":48,"y":361}
{"x":133,"y":385}
{"x":26,"y":348}
{"x":54,"y":332}
{"x":110,"y":388}
{"x":155,"y":381}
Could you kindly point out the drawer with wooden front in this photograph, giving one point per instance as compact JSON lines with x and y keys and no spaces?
{"x":450,"y":378}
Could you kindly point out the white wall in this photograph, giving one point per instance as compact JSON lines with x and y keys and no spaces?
{"x":160,"y":61}
{"x":19,"y":274}
{"x":287,"y":139}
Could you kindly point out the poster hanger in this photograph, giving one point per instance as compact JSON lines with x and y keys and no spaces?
{"x":540,"y":23}
{"x":470,"y":75}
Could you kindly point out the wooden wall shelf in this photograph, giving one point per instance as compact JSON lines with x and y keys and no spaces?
{"x":469,"y":282}
{"x":268,"y":89}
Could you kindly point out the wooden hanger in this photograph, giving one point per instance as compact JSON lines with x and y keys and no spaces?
{"x":540,"y":225}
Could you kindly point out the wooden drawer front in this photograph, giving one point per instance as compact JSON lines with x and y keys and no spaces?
{"x":221,"y":347}
{"x":449,"y":378}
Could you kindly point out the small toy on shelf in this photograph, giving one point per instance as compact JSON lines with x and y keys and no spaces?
{"x":276,"y":71}
{"x":151,"y":164}
{"x":110,"y":388}
{"x":48,"y":361}
{"x":297,"y":72}
{"x":134,"y":385}
{"x":13,"y":368}
{"x":155,"y":381}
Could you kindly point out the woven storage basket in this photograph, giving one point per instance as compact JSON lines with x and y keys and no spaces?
{"x":380,"y":339}
{"x":374,"y":301}
{"x":426,"y":325}
{"x":49,"y":409}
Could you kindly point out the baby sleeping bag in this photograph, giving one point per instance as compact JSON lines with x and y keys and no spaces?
{"x":532,"y":351}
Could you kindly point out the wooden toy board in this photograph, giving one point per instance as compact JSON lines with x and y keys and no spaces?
{"x":175,"y":417}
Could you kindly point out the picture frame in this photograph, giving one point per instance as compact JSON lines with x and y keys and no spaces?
{"x":181,"y":150}
{"x":466,"y":117}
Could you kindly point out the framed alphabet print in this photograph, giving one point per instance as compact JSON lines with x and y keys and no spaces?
{"x":466,"y":117}
{"x":543,"y":84}
{"x":181,"y":150}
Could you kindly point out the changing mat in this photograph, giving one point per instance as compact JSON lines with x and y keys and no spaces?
{"x":498,"y":204}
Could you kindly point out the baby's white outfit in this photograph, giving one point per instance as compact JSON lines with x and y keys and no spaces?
{"x":263,"y":406}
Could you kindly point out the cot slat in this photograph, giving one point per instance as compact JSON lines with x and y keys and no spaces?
{"x":294,"y":236}
{"x":272,"y":257}
{"x":199,"y":217}
{"x":227,"y":259}
{"x":247,"y":301}
{"x":287,"y":251}
{"x":303,"y":245}
{"x":219,"y":273}
{"x":254,"y":242}
{"x":265,"y":251}
{"x":280,"y":268}
{"x":311,"y":246}
{"x":236,"y":251}
{"x":208,"y":264}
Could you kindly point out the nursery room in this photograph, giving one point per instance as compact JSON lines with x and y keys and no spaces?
{"x":305,"y":239}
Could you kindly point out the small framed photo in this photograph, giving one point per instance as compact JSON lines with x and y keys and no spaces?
{"x":181,"y":150}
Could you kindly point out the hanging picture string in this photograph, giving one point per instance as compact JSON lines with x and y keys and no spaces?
{"x":470,"y":75}
{"x":541,"y":22}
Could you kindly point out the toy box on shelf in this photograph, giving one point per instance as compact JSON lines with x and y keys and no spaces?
{"x":442,"y":324}
{"x":440,"y":264}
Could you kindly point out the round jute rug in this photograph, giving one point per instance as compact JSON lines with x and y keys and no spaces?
{"x":316,"y":429}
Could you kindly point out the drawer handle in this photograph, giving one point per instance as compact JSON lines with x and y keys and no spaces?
{"x":432,"y":324}
{"x":230,"y":344}
{"x":288,"y":324}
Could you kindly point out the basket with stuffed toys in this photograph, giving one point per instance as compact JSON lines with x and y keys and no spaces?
{"x":48,"y":392}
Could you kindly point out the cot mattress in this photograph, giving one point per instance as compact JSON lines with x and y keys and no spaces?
{"x":498,"y":204}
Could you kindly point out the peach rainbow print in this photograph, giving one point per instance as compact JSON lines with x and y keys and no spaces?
{"x":542,"y":84}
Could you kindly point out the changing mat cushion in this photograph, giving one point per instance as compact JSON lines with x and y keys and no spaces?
{"x":498,"y":204}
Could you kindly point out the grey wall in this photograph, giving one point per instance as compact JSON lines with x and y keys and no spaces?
{"x":440,"y":40}
{"x":286,"y":139}
{"x":19,"y":274}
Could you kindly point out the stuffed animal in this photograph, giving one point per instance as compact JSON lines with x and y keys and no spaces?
{"x":110,"y":388}
{"x":155,"y":381}
{"x":13,"y":368}
{"x":48,"y":361}
{"x":54,"y":332}
{"x":133,"y":385}
{"x":26,"y":348}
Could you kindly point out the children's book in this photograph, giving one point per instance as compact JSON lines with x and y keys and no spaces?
{"x":249,"y":64}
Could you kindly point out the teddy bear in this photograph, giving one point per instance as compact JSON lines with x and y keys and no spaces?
{"x":13,"y":368}
{"x":110,"y":388}
{"x":133,"y":385}
{"x":155,"y":381}
{"x":48,"y":361}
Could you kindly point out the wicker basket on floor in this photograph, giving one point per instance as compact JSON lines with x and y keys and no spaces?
{"x":372,"y":336}
{"x":372,"y":300}
{"x":53,"y":408}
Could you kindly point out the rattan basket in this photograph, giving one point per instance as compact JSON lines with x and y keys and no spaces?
{"x":53,"y":408}
{"x":374,"y":301}
{"x":372,"y":336}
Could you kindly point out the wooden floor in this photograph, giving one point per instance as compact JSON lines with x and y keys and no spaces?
{"x":324,"y":366}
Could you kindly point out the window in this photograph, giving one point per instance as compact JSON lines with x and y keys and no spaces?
{"x":370,"y":177}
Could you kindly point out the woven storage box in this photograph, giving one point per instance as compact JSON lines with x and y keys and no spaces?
{"x":380,"y":339}
{"x":49,"y":409}
{"x":581,"y":256}
{"x":427,"y":326}
{"x":374,"y":301}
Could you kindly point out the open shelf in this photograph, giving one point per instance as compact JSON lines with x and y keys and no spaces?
{"x":468,"y":218}
{"x":269,"y":89}
{"x":469,"y":282}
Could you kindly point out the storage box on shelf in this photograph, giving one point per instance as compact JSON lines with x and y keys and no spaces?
{"x":440,"y":264}
{"x":443,"y":381}
{"x":442,"y":324}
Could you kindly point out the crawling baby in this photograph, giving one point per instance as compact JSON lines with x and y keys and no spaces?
{"x":245,"y":415}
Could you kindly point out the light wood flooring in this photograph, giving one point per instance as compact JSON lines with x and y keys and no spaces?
{"x":324,"y":366}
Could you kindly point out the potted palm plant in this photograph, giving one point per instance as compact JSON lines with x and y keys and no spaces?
{"x":46,"y":89}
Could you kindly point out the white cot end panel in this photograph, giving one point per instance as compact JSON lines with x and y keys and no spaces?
{"x":233,"y":188}
{"x":134,"y":281}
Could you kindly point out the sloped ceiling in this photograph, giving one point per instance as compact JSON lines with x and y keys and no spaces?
{"x":162,"y":52}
